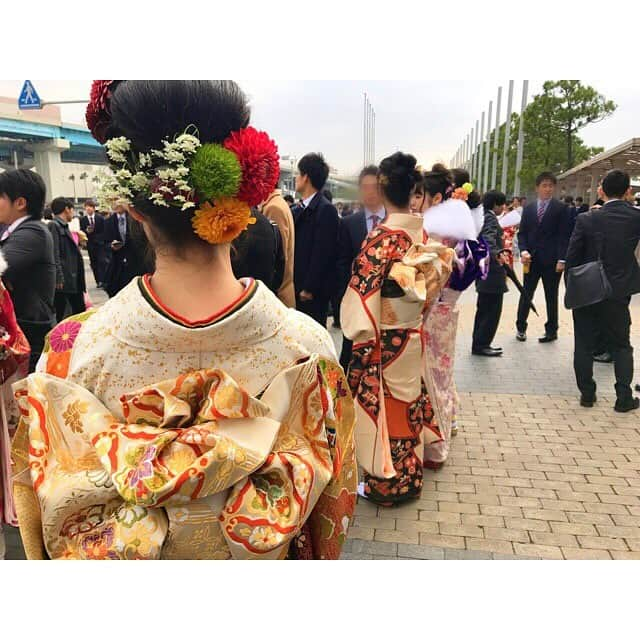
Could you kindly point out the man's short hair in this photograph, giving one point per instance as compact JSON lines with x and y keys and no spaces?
{"x":579,"y":199}
{"x":369,"y":170}
{"x":544,"y":177}
{"x":58,"y":205}
{"x":314,"y":166}
{"x":27,"y":184}
{"x":289,"y":199}
{"x":616,"y":183}
{"x":568,"y":199}
{"x":493,"y":199}
{"x":327,"y":194}
{"x":90,"y":203}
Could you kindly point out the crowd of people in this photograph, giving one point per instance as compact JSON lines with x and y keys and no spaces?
{"x":203,"y":412}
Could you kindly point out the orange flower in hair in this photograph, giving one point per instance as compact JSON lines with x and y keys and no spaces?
{"x":222,"y":221}
{"x":460,"y":194}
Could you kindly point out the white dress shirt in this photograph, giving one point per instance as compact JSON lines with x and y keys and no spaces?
{"x":306,"y":201}
{"x":370,"y":215}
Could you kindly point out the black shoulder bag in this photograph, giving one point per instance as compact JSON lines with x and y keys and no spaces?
{"x":587,"y":283}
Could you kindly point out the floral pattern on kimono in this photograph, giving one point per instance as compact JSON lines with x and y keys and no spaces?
{"x":395,"y":278}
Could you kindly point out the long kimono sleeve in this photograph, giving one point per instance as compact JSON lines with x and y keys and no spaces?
{"x":361,"y":312}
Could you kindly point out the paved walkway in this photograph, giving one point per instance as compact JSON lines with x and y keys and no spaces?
{"x":531,"y":474}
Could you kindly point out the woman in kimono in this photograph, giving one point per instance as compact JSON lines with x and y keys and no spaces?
{"x":14,"y":364}
{"x":450,"y":213}
{"x":395,"y":278}
{"x":193,"y":415}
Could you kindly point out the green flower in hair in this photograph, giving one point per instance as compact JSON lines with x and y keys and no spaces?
{"x":215,"y":172}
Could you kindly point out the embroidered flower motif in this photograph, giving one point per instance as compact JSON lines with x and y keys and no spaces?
{"x":144,"y":468}
{"x":82,"y":521}
{"x":63,"y":337}
{"x":98,"y":546}
{"x":263,"y":537}
{"x":72,"y":415}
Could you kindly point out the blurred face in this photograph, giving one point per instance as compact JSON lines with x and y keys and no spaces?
{"x":119,"y":209}
{"x":417,"y":201}
{"x":302,"y":183}
{"x":11,"y":211}
{"x":67,"y":214}
{"x":89,"y":210}
{"x":369,"y":193}
{"x":545,"y":189}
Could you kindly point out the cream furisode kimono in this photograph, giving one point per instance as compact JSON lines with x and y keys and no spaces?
{"x":395,"y":278}
{"x":143,"y":436}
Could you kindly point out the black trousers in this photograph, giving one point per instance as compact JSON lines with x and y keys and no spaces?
{"x":612,"y":318}
{"x":345,"y":354}
{"x":35,"y":333}
{"x":75,"y":302}
{"x":318,"y":309}
{"x":485,"y":325}
{"x":98,"y":262}
{"x":550,"y":282}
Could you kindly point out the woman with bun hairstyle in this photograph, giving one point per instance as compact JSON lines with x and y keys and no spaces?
{"x":395,"y":278}
{"x":193,"y":416}
{"x":448,"y":201}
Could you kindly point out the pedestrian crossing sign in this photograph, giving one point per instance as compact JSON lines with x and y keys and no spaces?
{"x":29,"y":98}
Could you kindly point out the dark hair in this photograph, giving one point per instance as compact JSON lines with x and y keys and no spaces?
{"x":289,"y":199}
{"x":438,"y":181}
{"x":89,"y":203}
{"x":544,"y":176}
{"x":598,"y":203}
{"x":398,"y":177}
{"x":579,"y":199}
{"x":327,"y":194}
{"x":616,"y":183}
{"x":148,"y":111}
{"x":460,"y":176}
{"x":492,"y":199}
{"x":369,"y":170}
{"x":48,"y":214}
{"x":24,"y":183}
{"x":568,"y":199}
{"x":58,"y":205}
{"x":314,"y":166}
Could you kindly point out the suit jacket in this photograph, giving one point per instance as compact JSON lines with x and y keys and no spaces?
{"x":547,"y":241}
{"x":126,"y":263}
{"x":278,"y":211}
{"x":97,"y":238}
{"x":316,"y":247}
{"x":68,"y":258}
{"x":618,"y":223}
{"x":353,"y":232}
{"x":31,"y":274}
{"x":492,"y":232}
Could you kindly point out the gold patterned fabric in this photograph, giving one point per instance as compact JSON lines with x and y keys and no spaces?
{"x":194,"y":466}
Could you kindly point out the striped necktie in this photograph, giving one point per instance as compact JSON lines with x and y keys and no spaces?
{"x":542,"y":207}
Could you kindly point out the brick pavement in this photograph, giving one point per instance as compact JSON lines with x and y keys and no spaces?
{"x":531,"y":474}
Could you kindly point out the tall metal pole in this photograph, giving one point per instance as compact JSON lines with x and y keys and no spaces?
{"x":470,"y":154}
{"x":507,"y":140}
{"x":374,"y":137}
{"x":516,"y":187}
{"x":494,"y":172}
{"x":364,"y":132}
{"x":476,"y":154}
{"x":487,"y":150}
{"x":481,"y":154}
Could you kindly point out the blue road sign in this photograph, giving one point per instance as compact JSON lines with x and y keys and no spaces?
{"x":29,"y":98}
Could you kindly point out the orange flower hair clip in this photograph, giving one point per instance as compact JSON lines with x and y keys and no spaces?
{"x":222,"y":221}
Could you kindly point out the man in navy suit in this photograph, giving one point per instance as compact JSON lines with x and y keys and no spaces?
{"x":93,"y":224}
{"x":353,"y":232}
{"x":543,"y":239}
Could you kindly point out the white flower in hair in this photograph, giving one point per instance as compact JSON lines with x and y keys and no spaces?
{"x":117,"y":149}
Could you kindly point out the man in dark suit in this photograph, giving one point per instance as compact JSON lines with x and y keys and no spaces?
{"x":581,"y":206}
{"x":491,"y":290}
{"x":316,"y":222}
{"x":93,"y":224}
{"x":70,"y":280}
{"x":353,"y":232}
{"x":543,"y":238}
{"x":127,"y":260}
{"x":27,"y":247}
{"x":611,"y":232}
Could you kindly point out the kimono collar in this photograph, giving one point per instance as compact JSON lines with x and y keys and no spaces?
{"x":140,"y":321}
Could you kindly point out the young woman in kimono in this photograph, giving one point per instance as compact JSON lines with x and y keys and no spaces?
{"x":450,"y":213}
{"x":395,"y":278}
{"x":193,"y":415}
{"x":14,"y":365}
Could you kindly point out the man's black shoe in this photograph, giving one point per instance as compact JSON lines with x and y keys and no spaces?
{"x":521,"y":336}
{"x":487,"y":351}
{"x":548,"y":338}
{"x":631,"y":405}
{"x":604,"y":358}
{"x":588,"y":401}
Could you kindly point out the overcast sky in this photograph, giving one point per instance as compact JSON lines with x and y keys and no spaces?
{"x":427,"y":118}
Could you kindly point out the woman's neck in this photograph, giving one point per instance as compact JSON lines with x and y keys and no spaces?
{"x":197,"y":288}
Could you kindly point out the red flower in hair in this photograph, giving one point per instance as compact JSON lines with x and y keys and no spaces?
{"x":259,"y":159}
{"x":98,"y":114}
